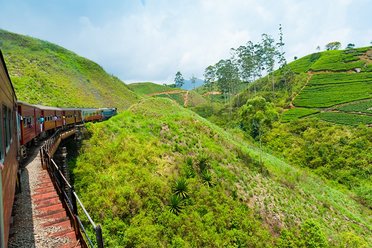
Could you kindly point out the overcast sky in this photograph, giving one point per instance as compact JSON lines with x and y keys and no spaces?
{"x":150,"y":40}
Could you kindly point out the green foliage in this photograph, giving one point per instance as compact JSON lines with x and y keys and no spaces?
{"x":147,"y":88}
{"x":44,"y":73}
{"x":335,"y":45}
{"x":178,"y":98}
{"x":257,"y":116}
{"x":326,"y":90}
{"x":344,"y":118}
{"x":180,"y":188}
{"x":296,"y":113}
{"x":342,"y":60}
{"x":127,"y":170}
{"x":176,"y":204}
{"x":179,"y":80}
{"x":360,"y":106}
{"x":304,"y":64}
{"x":312,"y":235}
{"x":339,"y":153}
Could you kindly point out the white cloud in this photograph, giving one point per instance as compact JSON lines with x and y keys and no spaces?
{"x":151,"y":40}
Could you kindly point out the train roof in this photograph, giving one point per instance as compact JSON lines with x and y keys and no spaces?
{"x":7,"y":73}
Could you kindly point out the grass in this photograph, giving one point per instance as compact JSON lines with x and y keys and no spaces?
{"x":296,"y":113}
{"x":337,"y":60}
{"x":178,"y":98}
{"x":146,"y":88}
{"x":362,"y":106}
{"x":345,"y":118}
{"x":44,"y":73}
{"x":126,"y":187}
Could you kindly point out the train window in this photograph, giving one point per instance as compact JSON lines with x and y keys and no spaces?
{"x":9,"y":126}
{"x":6,"y":127}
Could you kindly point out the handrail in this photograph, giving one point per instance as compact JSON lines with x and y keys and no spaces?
{"x":66,"y":191}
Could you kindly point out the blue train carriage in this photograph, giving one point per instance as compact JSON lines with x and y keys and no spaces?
{"x":8,"y":151}
{"x":107,"y":113}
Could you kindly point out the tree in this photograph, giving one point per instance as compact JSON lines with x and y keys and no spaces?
{"x":281,"y":59}
{"x":227,"y":77}
{"x":350,"y":46}
{"x":318,"y":48}
{"x":257,"y":115}
{"x":335,"y":45}
{"x":193,"y":80}
{"x":178,"y":80}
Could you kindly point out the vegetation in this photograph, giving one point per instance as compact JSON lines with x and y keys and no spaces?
{"x":361,"y":106}
{"x":335,"y":92}
{"x":193,"y":184}
{"x":179,"y":80}
{"x":296,"y":113}
{"x":148,"y":88}
{"x":344,"y":118}
{"x":341,"y":154}
{"x":44,"y":73}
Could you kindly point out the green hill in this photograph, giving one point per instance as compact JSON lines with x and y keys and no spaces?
{"x":193,"y":184}
{"x":327,"y":81}
{"x":183,"y":97}
{"x":315,"y":113}
{"x":44,"y":73}
{"x":146,"y":88}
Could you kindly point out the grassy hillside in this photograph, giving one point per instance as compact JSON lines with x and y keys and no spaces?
{"x":327,"y":81}
{"x":192,"y":184}
{"x":310,"y":101}
{"x":44,"y":73}
{"x":146,"y":88}
{"x":183,"y":97}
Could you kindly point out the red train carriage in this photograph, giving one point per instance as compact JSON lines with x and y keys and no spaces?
{"x":29,"y":122}
{"x":52,"y":117}
{"x":68,"y":116}
{"x":78,"y":117}
{"x":8,"y":150}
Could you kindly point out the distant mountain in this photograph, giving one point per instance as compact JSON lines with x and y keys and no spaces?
{"x":189,"y":86}
{"x":45,"y":73}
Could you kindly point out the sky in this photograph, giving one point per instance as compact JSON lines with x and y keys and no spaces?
{"x":150,"y":40}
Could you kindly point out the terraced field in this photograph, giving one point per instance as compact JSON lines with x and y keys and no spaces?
{"x":296,"y":113}
{"x":341,"y":81}
{"x":329,"y":89}
{"x":361,"y":106}
{"x":345,"y":118}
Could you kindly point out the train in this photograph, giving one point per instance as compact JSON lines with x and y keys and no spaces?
{"x":21,"y":126}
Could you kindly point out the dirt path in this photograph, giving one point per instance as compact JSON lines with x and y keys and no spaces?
{"x":186,"y":99}
{"x":310,"y":75}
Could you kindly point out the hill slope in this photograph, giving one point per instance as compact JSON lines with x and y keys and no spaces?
{"x":44,"y":73}
{"x":137,"y":167}
{"x":183,"y":97}
{"x":337,"y":82}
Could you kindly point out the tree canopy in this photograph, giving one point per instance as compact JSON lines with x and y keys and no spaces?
{"x":334,"y":45}
{"x":179,"y":80}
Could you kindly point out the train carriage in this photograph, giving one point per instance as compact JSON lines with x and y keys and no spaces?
{"x":107,"y":113}
{"x":91,"y":114}
{"x":8,"y":150}
{"x":78,"y":117}
{"x":68,"y":116}
{"x":29,"y":122}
